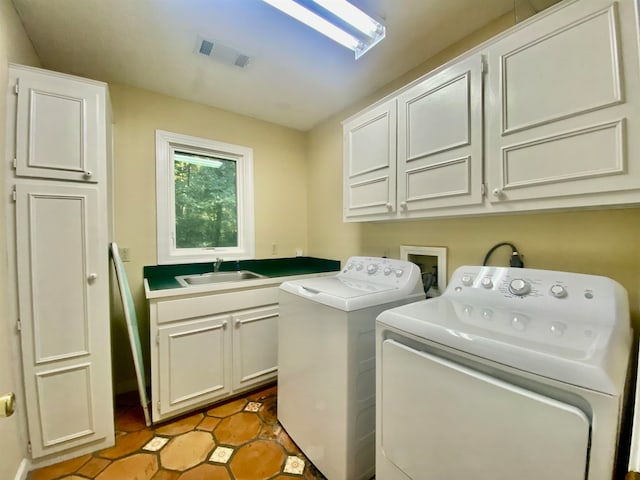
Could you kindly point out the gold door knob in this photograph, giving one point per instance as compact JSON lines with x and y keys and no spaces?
{"x":7,"y":404}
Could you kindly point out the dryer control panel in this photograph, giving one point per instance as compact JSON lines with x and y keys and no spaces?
{"x":560,"y":294}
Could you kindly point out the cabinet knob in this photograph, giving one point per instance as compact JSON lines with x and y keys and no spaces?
{"x":497,"y":192}
{"x":92,"y":277}
{"x":88,"y":174}
{"x":403,"y":205}
{"x":237,"y":323}
{"x":389,"y":206}
{"x":224,"y":324}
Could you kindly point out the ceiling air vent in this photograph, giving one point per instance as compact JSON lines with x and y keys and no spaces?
{"x":220,"y":53}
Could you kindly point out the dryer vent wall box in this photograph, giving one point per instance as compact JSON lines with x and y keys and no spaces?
{"x":326,"y":360}
{"x":533,"y":358}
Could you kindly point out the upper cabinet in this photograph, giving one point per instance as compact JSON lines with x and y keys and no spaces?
{"x":564,"y":94}
{"x":440,"y":140}
{"x":60,"y":125}
{"x":536,"y":119}
{"x":370,"y":163}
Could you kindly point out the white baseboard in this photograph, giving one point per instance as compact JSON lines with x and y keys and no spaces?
{"x":23,"y":470}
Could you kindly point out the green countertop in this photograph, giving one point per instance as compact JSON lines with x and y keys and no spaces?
{"x":162,"y":277}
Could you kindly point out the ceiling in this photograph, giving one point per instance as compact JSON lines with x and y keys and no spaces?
{"x":295,"y":76}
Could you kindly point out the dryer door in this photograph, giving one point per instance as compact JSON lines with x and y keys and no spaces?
{"x":440,"y":420}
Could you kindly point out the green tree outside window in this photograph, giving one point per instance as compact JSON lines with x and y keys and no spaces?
{"x":206,"y":201}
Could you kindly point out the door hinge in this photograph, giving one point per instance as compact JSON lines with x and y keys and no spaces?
{"x":158,"y":406}
{"x":14,"y":163}
{"x":29,"y":449}
{"x":483,"y":189}
{"x":157,"y":339}
{"x":17,"y":87}
{"x":484,"y":68}
{"x":18,"y":325}
{"x":14,"y":195}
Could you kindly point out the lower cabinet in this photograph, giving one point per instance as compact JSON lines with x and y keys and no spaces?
{"x":211,"y":346}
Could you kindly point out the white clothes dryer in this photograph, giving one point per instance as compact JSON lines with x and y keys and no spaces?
{"x":326,"y":360}
{"x":511,"y":373}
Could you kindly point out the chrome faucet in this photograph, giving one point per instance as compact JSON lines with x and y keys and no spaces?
{"x":216,"y":264}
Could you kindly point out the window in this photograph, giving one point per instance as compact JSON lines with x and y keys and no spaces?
{"x":204,"y":199}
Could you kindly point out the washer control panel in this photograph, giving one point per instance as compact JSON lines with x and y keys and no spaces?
{"x":382,"y":271}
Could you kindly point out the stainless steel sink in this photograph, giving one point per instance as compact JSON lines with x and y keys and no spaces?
{"x":216,"y":277}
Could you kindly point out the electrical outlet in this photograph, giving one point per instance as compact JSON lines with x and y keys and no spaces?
{"x":125,"y":254}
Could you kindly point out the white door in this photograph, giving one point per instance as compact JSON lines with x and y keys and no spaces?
{"x":58,"y":128}
{"x":195,"y":363}
{"x":440,"y":420}
{"x":440,"y":140}
{"x":255,"y":346}
{"x":63,"y":301}
{"x":562,"y":107}
{"x":370,"y":164}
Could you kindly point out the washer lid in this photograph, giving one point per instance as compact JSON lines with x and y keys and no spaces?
{"x":344,"y":293}
{"x":586,"y":354}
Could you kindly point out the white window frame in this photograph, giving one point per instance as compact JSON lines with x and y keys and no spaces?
{"x":166,"y":144}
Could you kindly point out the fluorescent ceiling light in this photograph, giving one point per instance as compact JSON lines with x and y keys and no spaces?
{"x":345,"y":12}
{"x":352,"y":15}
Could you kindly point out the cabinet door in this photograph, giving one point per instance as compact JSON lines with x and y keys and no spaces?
{"x":63,"y":283}
{"x":255,"y":346}
{"x":60,"y":128}
{"x":194,"y":363}
{"x":370,"y":164}
{"x":440,"y":140}
{"x":562,"y":107}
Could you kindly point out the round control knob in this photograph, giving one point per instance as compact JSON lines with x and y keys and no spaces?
{"x":487,"y":314}
{"x":519,"y":287}
{"x":557,"y":329}
{"x":467,"y":280}
{"x":399,"y":272}
{"x":350,"y":266}
{"x":519,"y":323}
{"x":558,"y":291}
{"x":359,"y":267}
{"x":387,"y":271}
{"x":372,"y":268}
{"x":486,"y":282}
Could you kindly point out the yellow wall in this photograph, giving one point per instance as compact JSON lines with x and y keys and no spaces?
{"x":280,"y":180}
{"x":15,"y":47}
{"x":605,"y":242}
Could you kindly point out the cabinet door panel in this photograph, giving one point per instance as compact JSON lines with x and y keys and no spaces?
{"x":440,"y":140}
{"x":370,"y":163}
{"x":561,"y":107}
{"x":54,"y":387}
{"x":58,"y":129}
{"x":541,"y":83}
{"x":194,"y":364}
{"x":255,"y":346}
{"x":62,"y":278}
{"x":592,"y":152}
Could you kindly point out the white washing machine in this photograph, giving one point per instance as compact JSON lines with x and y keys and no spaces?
{"x":511,"y":373}
{"x":326,"y":360}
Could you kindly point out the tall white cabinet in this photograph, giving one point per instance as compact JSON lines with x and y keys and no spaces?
{"x":58,"y":223}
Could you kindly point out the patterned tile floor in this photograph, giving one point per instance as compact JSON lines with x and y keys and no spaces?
{"x":237,"y":440}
